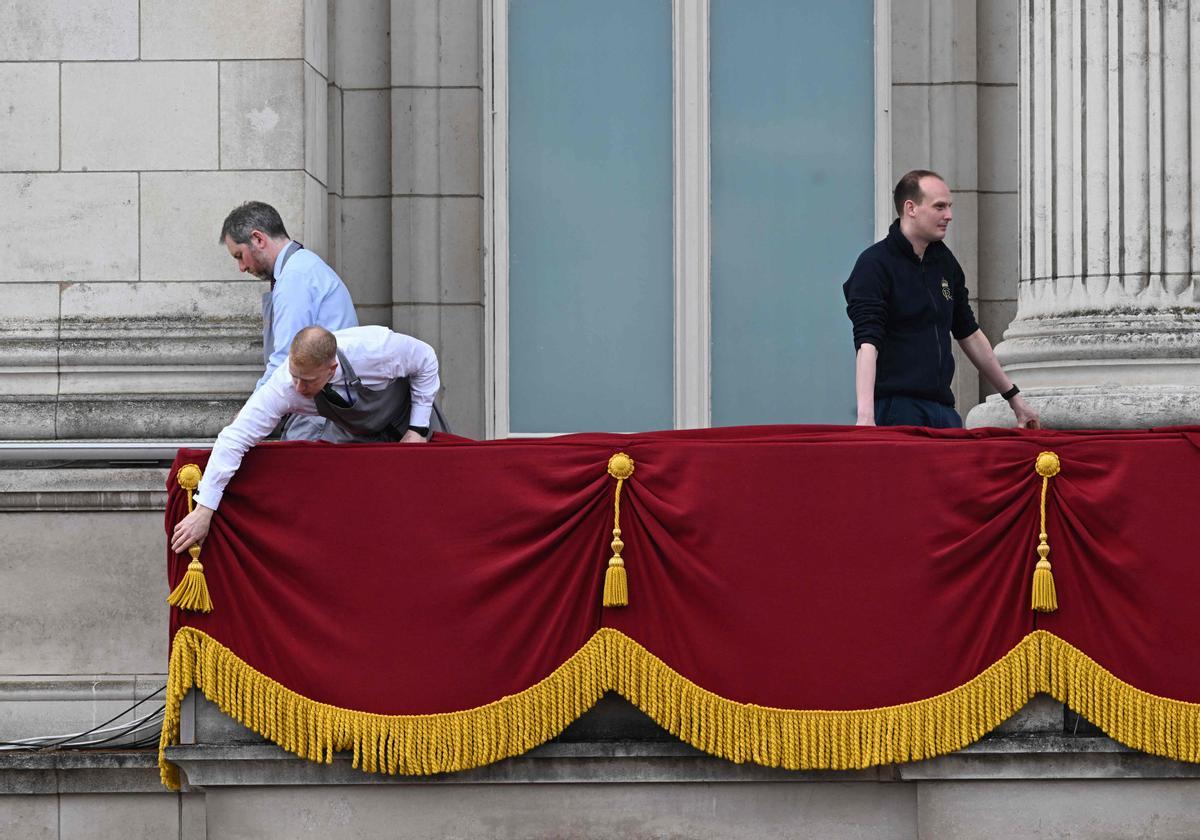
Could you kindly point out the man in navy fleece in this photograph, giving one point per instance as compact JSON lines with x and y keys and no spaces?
{"x":906,"y":297}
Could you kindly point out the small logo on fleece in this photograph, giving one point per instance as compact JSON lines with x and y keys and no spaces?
{"x":946,"y":290}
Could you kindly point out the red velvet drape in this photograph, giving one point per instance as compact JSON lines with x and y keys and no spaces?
{"x":794,"y":567}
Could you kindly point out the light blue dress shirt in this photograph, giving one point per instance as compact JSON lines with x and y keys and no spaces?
{"x":307,"y":292}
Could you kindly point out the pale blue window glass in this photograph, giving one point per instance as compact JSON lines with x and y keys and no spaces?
{"x":792,"y":102}
{"x":591,"y":297}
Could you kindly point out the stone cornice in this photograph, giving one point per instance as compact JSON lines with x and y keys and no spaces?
{"x":88,"y":489}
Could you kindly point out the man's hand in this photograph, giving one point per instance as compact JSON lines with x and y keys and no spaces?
{"x":865,"y":421}
{"x":192,"y":529}
{"x":412,"y":437}
{"x":1027,"y":418}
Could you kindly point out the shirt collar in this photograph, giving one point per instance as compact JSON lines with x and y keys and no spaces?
{"x":278,"y":267}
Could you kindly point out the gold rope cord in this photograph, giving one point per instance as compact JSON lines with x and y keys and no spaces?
{"x":738,"y":732}
{"x":616,"y":585}
{"x":1044,"y":598}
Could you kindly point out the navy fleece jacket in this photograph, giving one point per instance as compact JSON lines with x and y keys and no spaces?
{"x":908,"y":308}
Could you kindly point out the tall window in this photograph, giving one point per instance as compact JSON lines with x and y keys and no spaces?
{"x":595,"y":145}
{"x":589,"y":215}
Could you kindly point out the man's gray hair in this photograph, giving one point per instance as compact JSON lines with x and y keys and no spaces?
{"x":249,"y":217}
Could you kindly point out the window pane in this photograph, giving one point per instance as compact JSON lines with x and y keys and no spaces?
{"x":792,"y":96}
{"x":591,"y":294}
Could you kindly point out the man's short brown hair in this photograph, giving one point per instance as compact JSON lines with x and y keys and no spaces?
{"x":909,"y":188}
{"x":313,"y":347}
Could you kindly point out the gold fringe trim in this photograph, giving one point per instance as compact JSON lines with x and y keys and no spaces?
{"x":738,"y":732}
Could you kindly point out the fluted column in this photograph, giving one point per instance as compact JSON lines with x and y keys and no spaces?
{"x":1107,"y":332}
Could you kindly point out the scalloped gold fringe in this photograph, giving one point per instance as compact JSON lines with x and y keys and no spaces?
{"x":738,"y":732}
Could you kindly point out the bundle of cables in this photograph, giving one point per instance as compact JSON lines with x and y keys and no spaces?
{"x":140,"y":731}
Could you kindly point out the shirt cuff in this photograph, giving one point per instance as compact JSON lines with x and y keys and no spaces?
{"x":419,"y":416}
{"x":208,"y":497}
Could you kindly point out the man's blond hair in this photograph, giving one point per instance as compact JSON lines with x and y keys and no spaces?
{"x":313,"y":347}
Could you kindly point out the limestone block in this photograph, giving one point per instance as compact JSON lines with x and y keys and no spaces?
{"x":90,"y":218}
{"x":316,"y":125}
{"x":192,"y":818}
{"x":335,"y":248}
{"x":216,"y":29}
{"x":106,"y":123}
{"x":359,"y":33}
{"x":50,"y":488}
{"x":28,"y":339}
{"x":335,"y":141}
{"x":160,"y":338}
{"x":134,"y":816}
{"x":435,"y":43}
{"x":262,"y":114}
{"x":379,"y":314}
{"x":456,"y":333}
{"x":1042,"y":714}
{"x":28,"y":417}
{"x":182,"y":214}
{"x":763,"y":811}
{"x":316,"y":35}
{"x":952,"y":36}
{"x":963,"y":236}
{"x":999,"y":33}
{"x":994,"y":317}
{"x":437,"y":248}
{"x":910,"y":42}
{"x":435,"y":142}
{"x":934,"y":127}
{"x":68,"y":30}
{"x":365,"y":123}
{"x":998,"y":121}
{"x":132,"y":416}
{"x":28,"y":116}
{"x":29,"y":817}
{"x":316,"y":216}
{"x":162,"y":311}
{"x":933,"y":41}
{"x":1040,"y":810}
{"x":70,"y":580}
{"x":32,"y":718}
{"x":365,"y":256}
{"x":998,"y":252}
{"x":965,"y":385}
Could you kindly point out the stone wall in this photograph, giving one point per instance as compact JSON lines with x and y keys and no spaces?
{"x":128,"y":130}
{"x":954,"y":110}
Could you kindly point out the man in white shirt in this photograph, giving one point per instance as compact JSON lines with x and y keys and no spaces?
{"x":369,"y":382}
{"x":304,"y":291}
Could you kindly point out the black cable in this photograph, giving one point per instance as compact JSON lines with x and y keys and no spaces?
{"x":78,"y":735}
{"x":141,"y":725}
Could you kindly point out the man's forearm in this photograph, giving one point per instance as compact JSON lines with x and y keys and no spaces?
{"x":979,"y":351}
{"x":864,"y":382}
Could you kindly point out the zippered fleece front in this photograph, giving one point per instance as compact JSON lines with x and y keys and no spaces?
{"x":909,"y":308}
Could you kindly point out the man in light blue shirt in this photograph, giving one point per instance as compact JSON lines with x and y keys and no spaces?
{"x":304,"y":292}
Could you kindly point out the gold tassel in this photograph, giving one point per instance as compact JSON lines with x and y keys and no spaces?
{"x":192,"y":592}
{"x":1044,"y":598}
{"x":616,"y":586}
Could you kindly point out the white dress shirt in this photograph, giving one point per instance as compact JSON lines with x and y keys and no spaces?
{"x":378,"y":357}
{"x":307,"y":292}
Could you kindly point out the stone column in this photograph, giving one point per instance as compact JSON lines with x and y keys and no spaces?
{"x":1107,"y":332}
